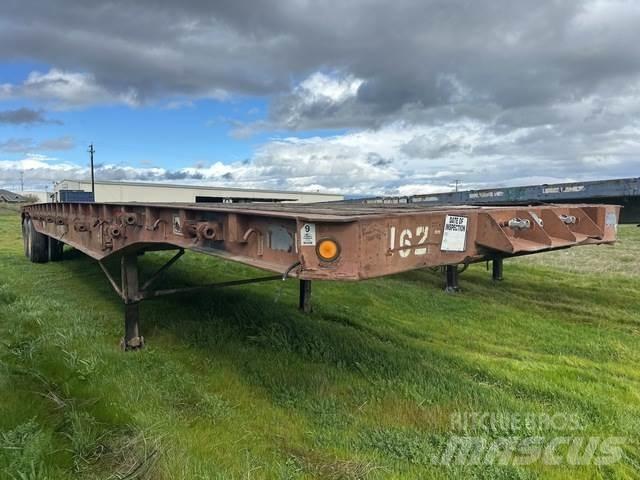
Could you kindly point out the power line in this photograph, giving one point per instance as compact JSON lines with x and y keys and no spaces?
{"x":93,"y":184}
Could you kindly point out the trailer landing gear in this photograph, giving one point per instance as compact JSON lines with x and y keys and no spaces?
{"x":451,"y":279}
{"x":132,"y":339}
{"x":497,"y":268}
{"x":132,"y":292}
{"x":305,"y":296}
{"x":36,"y":244}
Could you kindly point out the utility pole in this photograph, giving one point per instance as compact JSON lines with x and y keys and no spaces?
{"x":93,"y":185}
{"x":457,"y":183}
{"x":22,"y":180}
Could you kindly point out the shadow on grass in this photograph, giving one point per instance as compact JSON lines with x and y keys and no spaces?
{"x":243,"y":323}
{"x":267,"y":340}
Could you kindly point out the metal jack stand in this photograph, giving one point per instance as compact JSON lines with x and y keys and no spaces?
{"x":305,"y":296}
{"x":497,"y":269}
{"x":451,"y":277}
{"x":132,"y":293}
{"x":130,"y":289}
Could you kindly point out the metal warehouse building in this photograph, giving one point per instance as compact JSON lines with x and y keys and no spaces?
{"x":9,"y":197}
{"x":107,"y":192}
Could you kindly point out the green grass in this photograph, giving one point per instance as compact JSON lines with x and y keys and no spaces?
{"x":238,"y":384}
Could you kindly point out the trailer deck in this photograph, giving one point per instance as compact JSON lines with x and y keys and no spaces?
{"x":307,"y":241}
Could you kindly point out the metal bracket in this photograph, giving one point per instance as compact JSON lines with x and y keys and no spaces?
{"x":111,"y":280}
{"x":161,"y":270}
{"x":260,"y":237}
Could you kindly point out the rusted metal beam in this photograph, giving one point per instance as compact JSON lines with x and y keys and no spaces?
{"x":370,"y":241}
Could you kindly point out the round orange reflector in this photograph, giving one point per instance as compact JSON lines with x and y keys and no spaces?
{"x":328,"y":250}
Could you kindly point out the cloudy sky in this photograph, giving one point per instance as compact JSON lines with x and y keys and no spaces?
{"x":359,"y":97}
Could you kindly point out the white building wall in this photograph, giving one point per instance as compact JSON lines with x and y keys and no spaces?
{"x":42,"y":197}
{"x":160,"y":193}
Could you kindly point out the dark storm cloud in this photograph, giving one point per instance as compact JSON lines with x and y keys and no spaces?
{"x":123,"y":172}
{"x":512,"y":53}
{"x":24,"y":145}
{"x":376,"y":160}
{"x":56,"y":144}
{"x":16,"y":145}
{"x":430,"y":90}
{"x":24,"y":116}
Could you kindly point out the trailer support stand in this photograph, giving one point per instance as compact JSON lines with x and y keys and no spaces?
{"x":130,"y":289}
{"x":305,"y":296}
{"x":451,"y":276}
{"x":132,"y":293}
{"x":497,"y":265}
{"x":132,"y":339}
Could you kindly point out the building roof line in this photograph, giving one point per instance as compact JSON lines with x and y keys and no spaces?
{"x":198,"y":187}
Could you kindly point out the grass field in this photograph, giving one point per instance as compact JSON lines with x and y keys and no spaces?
{"x":239,"y":385}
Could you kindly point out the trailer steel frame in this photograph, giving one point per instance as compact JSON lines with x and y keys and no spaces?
{"x":363,"y":241}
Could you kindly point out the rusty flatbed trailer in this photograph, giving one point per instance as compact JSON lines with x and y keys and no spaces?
{"x":306,"y":241}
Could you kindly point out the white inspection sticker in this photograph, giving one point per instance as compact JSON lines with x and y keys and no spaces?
{"x":177,"y":225}
{"x":308,"y":235}
{"x":454,"y":238}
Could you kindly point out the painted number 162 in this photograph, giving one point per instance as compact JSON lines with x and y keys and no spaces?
{"x":409,"y":239}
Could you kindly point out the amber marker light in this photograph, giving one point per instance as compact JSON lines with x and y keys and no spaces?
{"x":328,"y":250}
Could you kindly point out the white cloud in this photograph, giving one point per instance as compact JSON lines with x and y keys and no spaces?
{"x":398,"y":159}
{"x":321,"y":87}
{"x":422,"y":189}
{"x":60,"y":89}
{"x":39,"y":171}
{"x":319,"y":101}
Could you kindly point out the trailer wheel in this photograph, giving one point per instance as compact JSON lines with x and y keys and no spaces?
{"x":55,"y":249}
{"x":37,"y":244}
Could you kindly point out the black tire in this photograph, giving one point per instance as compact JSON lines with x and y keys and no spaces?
{"x":55,"y":250}
{"x":37,"y":244}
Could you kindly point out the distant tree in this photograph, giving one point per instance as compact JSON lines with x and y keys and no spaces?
{"x":30,"y":198}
